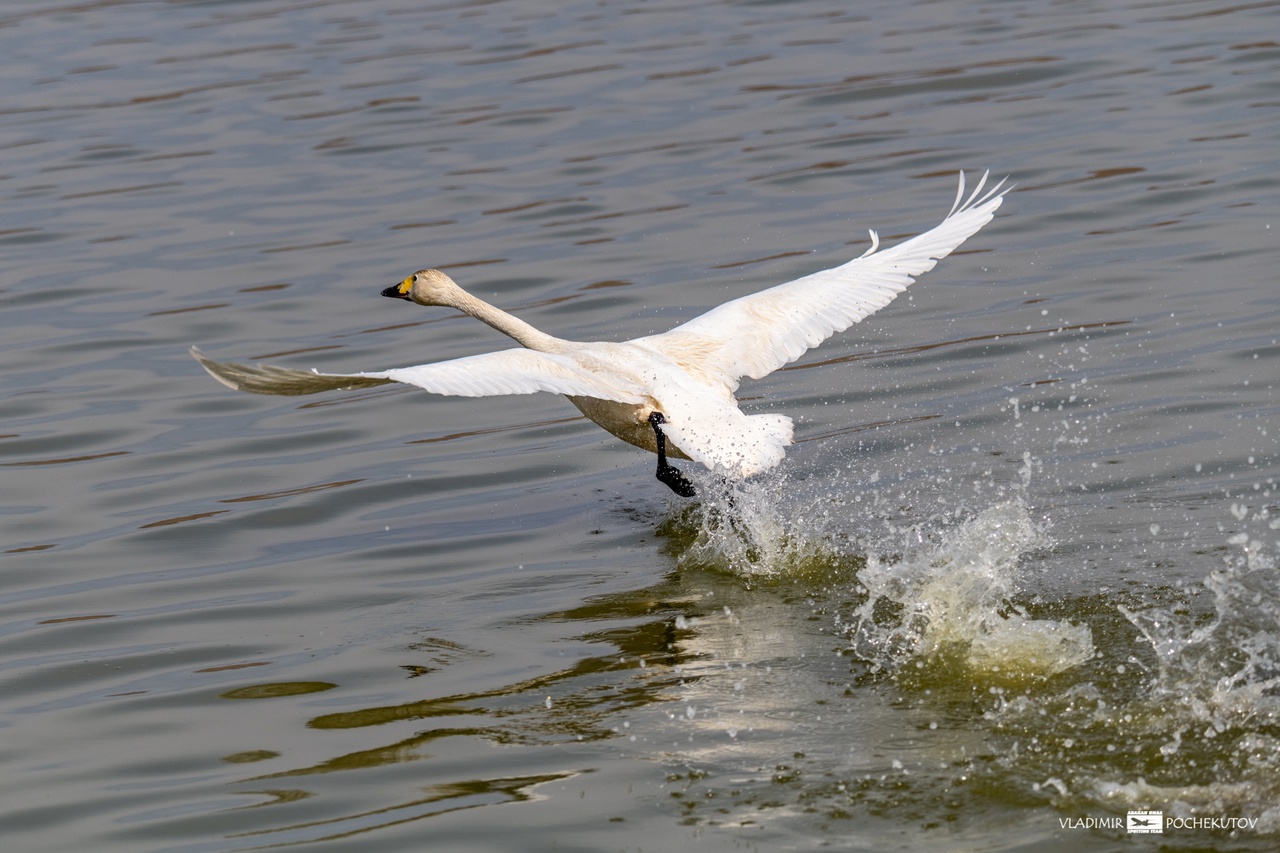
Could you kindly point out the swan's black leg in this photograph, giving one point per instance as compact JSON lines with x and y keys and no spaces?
{"x":669,"y":474}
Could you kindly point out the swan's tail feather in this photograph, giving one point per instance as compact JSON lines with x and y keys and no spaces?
{"x":733,"y":442}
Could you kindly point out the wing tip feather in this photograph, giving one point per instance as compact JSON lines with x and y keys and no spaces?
{"x":977,"y":199}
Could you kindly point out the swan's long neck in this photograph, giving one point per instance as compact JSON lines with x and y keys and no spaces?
{"x":511,"y":326}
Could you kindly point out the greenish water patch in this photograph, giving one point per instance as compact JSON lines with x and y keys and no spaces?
{"x":275,"y":691}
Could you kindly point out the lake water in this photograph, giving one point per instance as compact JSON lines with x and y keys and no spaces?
{"x":1016,"y":580}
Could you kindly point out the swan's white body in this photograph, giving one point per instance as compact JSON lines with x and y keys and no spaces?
{"x":688,"y":374}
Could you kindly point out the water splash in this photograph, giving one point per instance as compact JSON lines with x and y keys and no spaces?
{"x":1230,"y":665}
{"x":943,"y":606}
{"x":947,"y":610}
{"x":1113,"y":699}
{"x":759,"y":529}
{"x":1189,"y":724}
{"x":1214,"y":697}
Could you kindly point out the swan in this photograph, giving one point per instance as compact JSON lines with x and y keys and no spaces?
{"x":671,"y":393}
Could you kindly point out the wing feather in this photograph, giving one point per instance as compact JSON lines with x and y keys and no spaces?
{"x":512,"y":371}
{"x":756,"y":334}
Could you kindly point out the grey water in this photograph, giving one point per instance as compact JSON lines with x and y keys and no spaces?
{"x":1016,"y":579}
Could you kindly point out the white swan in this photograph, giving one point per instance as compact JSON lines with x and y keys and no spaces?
{"x":678,"y":384}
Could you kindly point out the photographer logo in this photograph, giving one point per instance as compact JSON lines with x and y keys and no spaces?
{"x":1144,"y":822}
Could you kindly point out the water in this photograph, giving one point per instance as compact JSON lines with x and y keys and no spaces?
{"x":1016,"y":579}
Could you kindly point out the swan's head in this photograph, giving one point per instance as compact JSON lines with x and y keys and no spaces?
{"x":425,"y":287}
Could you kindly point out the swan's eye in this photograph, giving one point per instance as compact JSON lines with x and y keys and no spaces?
{"x":407,"y":284}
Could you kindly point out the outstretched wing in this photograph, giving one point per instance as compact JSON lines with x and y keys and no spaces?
{"x":756,"y":334}
{"x":513,"y":371}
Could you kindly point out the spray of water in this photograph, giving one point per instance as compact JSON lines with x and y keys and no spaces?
{"x":760,"y":530}
{"x":1137,"y":696}
{"x":1183,"y":717}
{"x":947,"y":610}
{"x":1228,"y":668}
{"x":1212,"y":704}
{"x":932,"y":598}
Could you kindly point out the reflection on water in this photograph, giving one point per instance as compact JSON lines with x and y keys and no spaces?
{"x":439,"y":799}
{"x":838,"y":682}
{"x":580,"y":704}
{"x":957,"y":688}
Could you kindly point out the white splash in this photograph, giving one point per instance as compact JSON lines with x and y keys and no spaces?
{"x":757,"y":528}
{"x":951,"y":603}
{"x":1198,"y":736}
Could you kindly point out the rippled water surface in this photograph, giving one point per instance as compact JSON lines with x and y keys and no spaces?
{"x":1017,"y":578}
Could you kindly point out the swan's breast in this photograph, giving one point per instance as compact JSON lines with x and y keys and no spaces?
{"x":627,"y":421}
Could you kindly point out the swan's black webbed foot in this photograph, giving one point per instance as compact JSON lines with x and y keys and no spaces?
{"x":669,"y":474}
